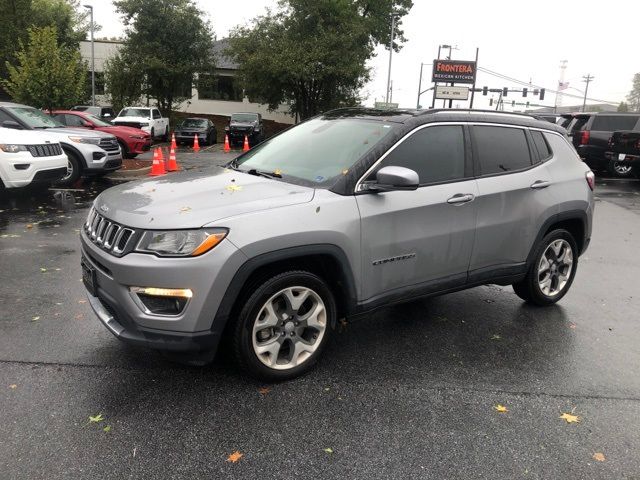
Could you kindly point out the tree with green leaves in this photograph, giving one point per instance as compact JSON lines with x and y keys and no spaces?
{"x":46,"y":75}
{"x":170,"y":41}
{"x":313,"y":55}
{"x":623,"y":107}
{"x":633,"y":98}
{"x":124,"y":80}
{"x":18,"y":16}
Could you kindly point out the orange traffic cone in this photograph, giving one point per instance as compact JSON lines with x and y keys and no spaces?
{"x":173,"y":141}
{"x":227,"y":147}
{"x":157,"y":168}
{"x":196,"y":143}
{"x":172,"y":165}
{"x":245,"y":147}
{"x":161,"y":155}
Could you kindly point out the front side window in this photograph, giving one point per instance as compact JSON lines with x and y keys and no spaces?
{"x":317,"y":152}
{"x":501,"y":149}
{"x":73,"y":121}
{"x":435,"y":153}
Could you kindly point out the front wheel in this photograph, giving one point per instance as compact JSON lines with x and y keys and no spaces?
{"x":552,"y":272}
{"x":284,"y":326}
{"x":165,"y":137}
{"x":73,"y":170}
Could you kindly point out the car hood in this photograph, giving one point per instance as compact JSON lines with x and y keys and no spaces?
{"x":195,"y":199}
{"x":77,"y":132}
{"x":123,"y":130}
{"x":26,"y":137}
{"x":131,"y":119}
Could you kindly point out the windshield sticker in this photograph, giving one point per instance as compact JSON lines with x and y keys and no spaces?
{"x":319,"y":178}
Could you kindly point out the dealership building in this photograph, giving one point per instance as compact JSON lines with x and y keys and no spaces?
{"x":221,"y":95}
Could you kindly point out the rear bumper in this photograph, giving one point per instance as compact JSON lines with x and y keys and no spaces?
{"x":627,"y":159}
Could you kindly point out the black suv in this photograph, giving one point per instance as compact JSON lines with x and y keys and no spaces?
{"x":241,"y":124}
{"x":590,"y":134}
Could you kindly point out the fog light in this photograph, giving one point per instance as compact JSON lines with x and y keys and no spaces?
{"x":162,"y":301}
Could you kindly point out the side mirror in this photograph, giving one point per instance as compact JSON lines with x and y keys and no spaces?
{"x":87,"y":124}
{"x":395,"y":178}
{"x":12,"y":124}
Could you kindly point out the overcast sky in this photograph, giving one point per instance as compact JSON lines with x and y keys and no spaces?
{"x":526,"y":43}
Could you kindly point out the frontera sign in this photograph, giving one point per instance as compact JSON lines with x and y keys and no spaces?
{"x":454,"y":71}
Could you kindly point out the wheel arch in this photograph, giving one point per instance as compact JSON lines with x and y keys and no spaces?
{"x":81,"y":160}
{"x":574,"y":221}
{"x":327,"y":261}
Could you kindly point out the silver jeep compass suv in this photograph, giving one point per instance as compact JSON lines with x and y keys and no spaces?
{"x":346,"y":212}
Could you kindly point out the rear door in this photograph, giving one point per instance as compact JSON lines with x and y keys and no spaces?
{"x":513,"y":199}
{"x":421,"y":238}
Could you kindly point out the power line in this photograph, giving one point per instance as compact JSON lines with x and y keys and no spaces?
{"x":522,"y":82}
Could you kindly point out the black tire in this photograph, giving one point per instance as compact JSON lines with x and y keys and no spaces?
{"x":529,"y":288}
{"x":153,"y":134}
{"x":242,"y":331}
{"x":615,"y":169}
{"x":165,"y":137}
{"x":124,"y":149}
{"x":75,"y":166}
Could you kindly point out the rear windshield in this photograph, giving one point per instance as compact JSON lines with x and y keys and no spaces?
{"x":577,"y":124}
{"x":244,"y":117}
{"x":317,"y":152}
{"x":610,"y":123}
{"x":135,"y":112}
{"x":194,"y":122}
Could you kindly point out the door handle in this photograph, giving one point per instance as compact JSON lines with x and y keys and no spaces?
{"x":538,"y":184}
{"x":460,"y":198}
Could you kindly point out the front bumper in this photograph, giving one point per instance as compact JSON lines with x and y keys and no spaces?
{"x":188,"y":137}
{"x":193,"y":329}
{"x":139,"y":146}
{"x":38,"y":169}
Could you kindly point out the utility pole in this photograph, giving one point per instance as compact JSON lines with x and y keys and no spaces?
{"x":419,"y":87}
{"x":93,"y":65}
{"x":393,"y":29}
{"x":586,"y":79}
{"x":435,"y":84}
{"x":561,"y":85}
{"x":473,"y":88}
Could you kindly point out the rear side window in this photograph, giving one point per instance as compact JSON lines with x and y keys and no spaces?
{"x":611,"y":123}
{"x":435,"y":153}
{"x":543,"y":149}
{"x":501,"y":149}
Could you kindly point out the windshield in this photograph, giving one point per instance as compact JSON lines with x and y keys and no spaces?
{"x":194,"y":123}
{"x":34,"y":118}
{"x":318,"y":151}
{"x":98,"y":122}
{"x":244,"y":117}
{"x":135,"y":112}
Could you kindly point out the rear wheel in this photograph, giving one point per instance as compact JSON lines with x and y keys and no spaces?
{"x":73,"y":169}
{"x":284,"y":326}
{"x":552,"y":272}
{"x":620,"y":169}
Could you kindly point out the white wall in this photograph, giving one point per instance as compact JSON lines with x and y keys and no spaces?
{"x":104,"y":49}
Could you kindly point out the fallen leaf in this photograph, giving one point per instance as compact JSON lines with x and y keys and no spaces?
{"x":57,"y":269}
{"x":35,"y":319}
{"x":234,"y":457}
{"x":572,"y":325}
{"x":82,"y":301}
{"x":277,"y":171}
{"x":327,"y":389}
{"x":598,"y":456}
{"x":345,"y":171}
{"x":29,"y":225}
{"x":328,"y":450}
{"x":570,"y":418}
{"x":500,"y":408}
{"x":79,"y":316}
{"x":107,"y":429}
{"x":13,"y":386}
{"x":264,"y":390}
{"x":96,"y":419}
{"x":496,"y":337}
{"x":185,"y":209}
{"x":234,"y":188}
{"x":43,"y":270}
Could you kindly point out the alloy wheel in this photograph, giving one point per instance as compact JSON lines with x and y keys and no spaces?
{"x":554,"y":267}
{"x":622,"y":169}
{"x":289,"y":328}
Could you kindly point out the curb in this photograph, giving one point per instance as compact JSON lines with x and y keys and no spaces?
{"x":125,"y":174}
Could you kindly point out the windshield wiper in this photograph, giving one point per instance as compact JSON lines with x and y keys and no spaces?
{"x":262,"y":173}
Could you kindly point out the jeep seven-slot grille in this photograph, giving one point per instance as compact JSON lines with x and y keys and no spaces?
{"x":109,"y":236}
{"x":45,"y":150}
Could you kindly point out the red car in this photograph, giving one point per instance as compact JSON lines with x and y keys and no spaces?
{"x":133,"y":141}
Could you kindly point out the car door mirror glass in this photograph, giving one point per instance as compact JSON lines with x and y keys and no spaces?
{"x":394,"y":178}
{"x":12,"y":124}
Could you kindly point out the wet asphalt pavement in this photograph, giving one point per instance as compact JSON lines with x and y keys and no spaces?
{"x":407,"y":393}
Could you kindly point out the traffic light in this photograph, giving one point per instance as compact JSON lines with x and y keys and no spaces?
{"x":491,"y":102}
{"x":485,"y":90}
{"x":524,"y":91}
{"x":535,"y":91}
{"x":505,"y":90}
{"x":541,"y":94}
{"x":527,"y":104}
{"x":513,"y":103}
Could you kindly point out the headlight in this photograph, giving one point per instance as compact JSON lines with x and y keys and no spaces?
{"x":181,"y":243}
{"x":91,"y":140}
{"x":137,"y":137}
{"x":12,"y":148}
{"x":226,"y":129}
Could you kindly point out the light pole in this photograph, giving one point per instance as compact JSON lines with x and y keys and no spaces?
{"x":420,"y":91}
{"x":586,"y":79}
{"x":393,"y":29}
{"x":93,"y":65}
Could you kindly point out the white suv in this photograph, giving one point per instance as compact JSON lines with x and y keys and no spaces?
{"x":28,"y":157}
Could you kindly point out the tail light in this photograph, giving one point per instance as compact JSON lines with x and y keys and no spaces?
{"x":584,"y":137}
{"x":591,"y":179}
{"x":638,"y":145}
{"x":610,"y":142}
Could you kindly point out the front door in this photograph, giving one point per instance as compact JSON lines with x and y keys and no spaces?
{"x":421,"y":239}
